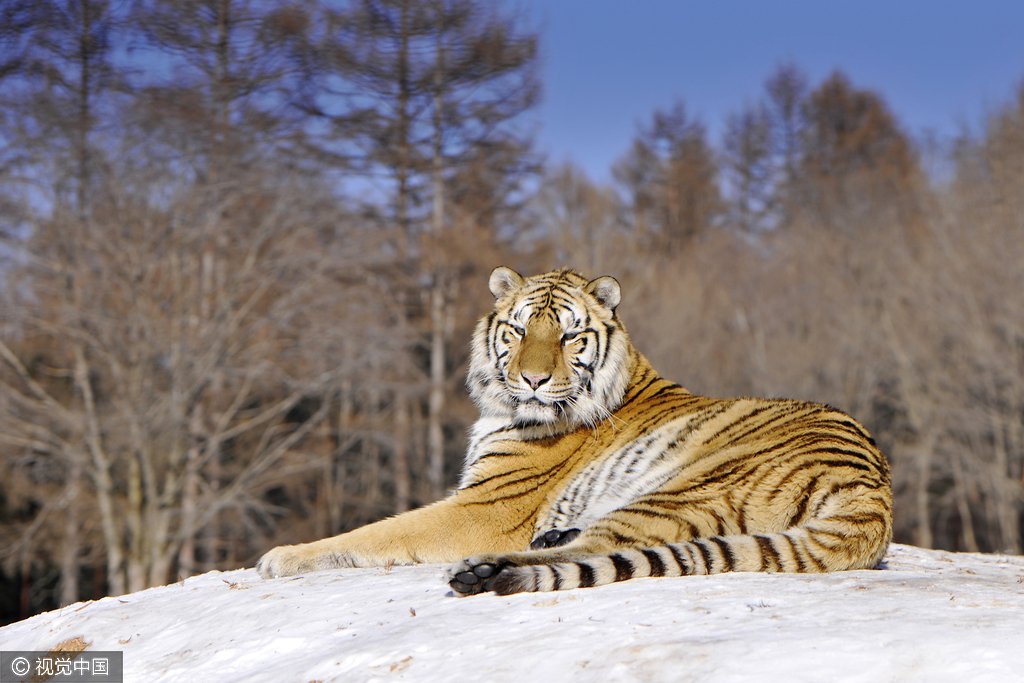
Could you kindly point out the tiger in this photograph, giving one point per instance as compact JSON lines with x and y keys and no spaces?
{"x":585,"y":467}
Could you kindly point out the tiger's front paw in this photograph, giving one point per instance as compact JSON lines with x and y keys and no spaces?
{"x":284,"y":560}
{"x":289,"y":560}
{"x":554,"y":538}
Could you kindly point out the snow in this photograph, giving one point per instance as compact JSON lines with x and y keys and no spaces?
{"x":926,"y":616}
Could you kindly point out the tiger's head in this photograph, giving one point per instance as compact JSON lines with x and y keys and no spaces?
{"x":552,"y":353}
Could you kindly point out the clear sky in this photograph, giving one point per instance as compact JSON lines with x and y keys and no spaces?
{"x":608,"y":64}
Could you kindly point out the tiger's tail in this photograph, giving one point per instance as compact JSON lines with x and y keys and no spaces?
{"x":797,"y":550}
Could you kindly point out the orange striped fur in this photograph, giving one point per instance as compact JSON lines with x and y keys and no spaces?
{"x":586,"y":467}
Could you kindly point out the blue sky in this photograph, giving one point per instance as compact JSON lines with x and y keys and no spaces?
{"x":609,"y":64}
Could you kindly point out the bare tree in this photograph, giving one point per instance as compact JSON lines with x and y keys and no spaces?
{"x":425,"y":94}
{"x":223,"y":113}
{"x":60,"y":76}
{"x":752,"y":177}
{"x":163,"y":386}
{"x":856,"y":164}
{"x":786,"y":103}
{"x":763,"y":149}
{"x":229,"y":93}
{"x":582,"y":221}
{"x":670,"y":177}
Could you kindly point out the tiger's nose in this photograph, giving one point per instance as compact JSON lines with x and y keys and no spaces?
{"x":535,"y":380}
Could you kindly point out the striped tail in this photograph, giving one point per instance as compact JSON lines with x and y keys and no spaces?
{"x":800,"y":550}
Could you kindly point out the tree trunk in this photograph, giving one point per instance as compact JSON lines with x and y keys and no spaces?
{"x":1005,"y":493}
{"x":923,"y":459}
{"x":438,"y":143}
{"x":101,"y":473}
{"x":435,"y":401}
{"x":137,"y":539}
{"x":963,"y":506}
{"x":160,"y":569}
{"x":401,"y":452}
{"x":404,"y":169}
{"x":222,"y":74}
{"x":26,"y":582}
{"x":213,"y":535}
{"x":346,"y":409}
{"x":190,"y":495}
{"x":84,"y":109}
{"x":435,"y":433}
{"x":72,"y":540}
{"x":325,"y":482}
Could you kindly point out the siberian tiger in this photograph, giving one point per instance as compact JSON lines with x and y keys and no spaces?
{"x":585,"y":467}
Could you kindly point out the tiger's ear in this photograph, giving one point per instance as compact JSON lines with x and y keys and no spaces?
{"x":606,"y":290}
{"x":504,"y":280}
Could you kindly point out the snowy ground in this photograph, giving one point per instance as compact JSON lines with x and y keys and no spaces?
{"x":928,"y":616}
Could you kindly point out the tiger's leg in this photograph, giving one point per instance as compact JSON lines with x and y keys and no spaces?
{"x":438,"y":533}
{"x":563,"y":569}
{"x":571,"y":567}
{"x":844,"y":529}
{"x":558,"y":559}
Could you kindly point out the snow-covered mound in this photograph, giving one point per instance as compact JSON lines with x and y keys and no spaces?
{"x":926,"y":616}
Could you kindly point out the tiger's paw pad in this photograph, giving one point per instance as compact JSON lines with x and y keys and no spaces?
{"x":554,"y":538}
{"x":467,"y":578}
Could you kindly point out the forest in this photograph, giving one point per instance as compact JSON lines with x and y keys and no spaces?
{"x":243,"y":246}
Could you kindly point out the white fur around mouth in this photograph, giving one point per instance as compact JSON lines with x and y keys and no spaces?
{"x":535,"y":411}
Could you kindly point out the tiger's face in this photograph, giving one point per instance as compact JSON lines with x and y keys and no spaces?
{"x":553,"y":351}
